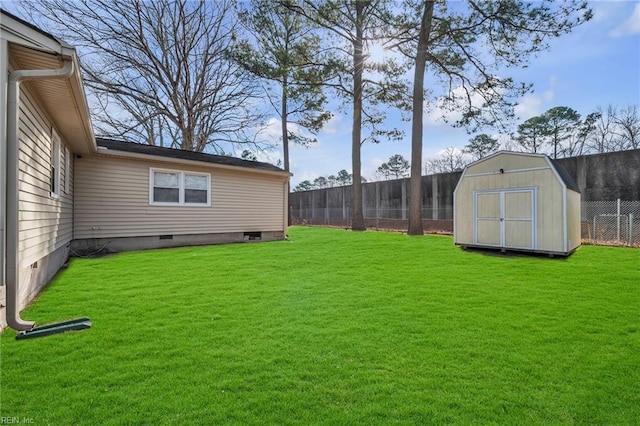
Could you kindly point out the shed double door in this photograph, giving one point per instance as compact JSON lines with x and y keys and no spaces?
{"x":505,"y":218}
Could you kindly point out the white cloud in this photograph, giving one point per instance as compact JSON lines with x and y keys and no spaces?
{"x":272,"y":130}
{"x":376,"y":162}
{"x":370,"y":168}
{"x":531,"y":104}
{"x":449,"y":151}
{"x":630,"y":26}
{"x":272,"y":133}
{"x":604,"y":11}
{"x":506,"y":143}
{"x":306,"y":175}
{"x":333,"y":125}
{"x":439,"y":113}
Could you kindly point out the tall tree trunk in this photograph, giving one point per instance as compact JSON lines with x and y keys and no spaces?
{"x":284,"y":117}
{"x":357,"y":221}
{"x":415,"y":191}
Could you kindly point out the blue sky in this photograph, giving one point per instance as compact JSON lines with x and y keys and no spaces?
{"x":596,"y":65}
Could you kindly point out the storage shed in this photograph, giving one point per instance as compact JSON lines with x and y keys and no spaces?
{"x":517,"y":201}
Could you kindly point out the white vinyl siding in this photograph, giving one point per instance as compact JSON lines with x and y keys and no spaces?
{"x":45,"y":221}
{"x":174,"y":187}
{"x":113,"y":200}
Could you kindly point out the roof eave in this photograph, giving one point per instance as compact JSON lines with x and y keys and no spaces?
{"x":77,"y":88}
{"x":23,"y":35}
{"x":114,"y":153}
{"x":18,"y":31}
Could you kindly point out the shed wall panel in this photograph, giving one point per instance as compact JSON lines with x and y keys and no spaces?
{"x":518,"y":234}
{"x":112,"y":200}
{"x":574,"y":231}
{"x":518,"y":205}
{"x":489,"y":232}
{"x":549,"y":213}
{"x":518,"y":219}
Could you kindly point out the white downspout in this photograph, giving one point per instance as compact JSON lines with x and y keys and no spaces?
{"x":12,"y":229}
{"x":4,"y":65}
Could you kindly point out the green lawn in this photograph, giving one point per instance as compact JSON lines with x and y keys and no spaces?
{"x":334,"y":327}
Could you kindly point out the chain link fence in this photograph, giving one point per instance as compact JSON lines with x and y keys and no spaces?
{"x":611,"y":222}
{"x":380,"y":218}
{"x":603,"y":222}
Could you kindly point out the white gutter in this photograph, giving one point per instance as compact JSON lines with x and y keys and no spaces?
{"x":12,"y":225}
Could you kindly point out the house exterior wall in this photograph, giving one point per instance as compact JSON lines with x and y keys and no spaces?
{"x":34,"y":277}
{"x":112,"y":201}
{"x":45,"y":220}
{"x":242,"y":201}
{"x":534,"y":173}
{"x":95,"y":246}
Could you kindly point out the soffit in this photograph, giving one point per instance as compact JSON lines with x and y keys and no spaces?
{"x":63,"y":99}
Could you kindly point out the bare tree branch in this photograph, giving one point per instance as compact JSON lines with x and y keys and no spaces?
{"x":160,"y":69}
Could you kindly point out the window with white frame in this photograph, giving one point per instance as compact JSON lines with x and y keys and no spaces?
{"x":196,"y":188}
{"x":173,"y":187}
{"x":55,"y":164}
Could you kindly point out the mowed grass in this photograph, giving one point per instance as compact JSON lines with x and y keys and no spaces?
{"x":334,"y":327}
